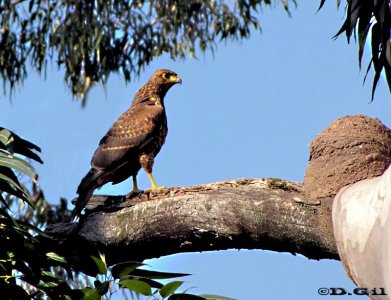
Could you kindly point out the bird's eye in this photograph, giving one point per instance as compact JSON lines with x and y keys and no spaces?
{"x":166,"y":75}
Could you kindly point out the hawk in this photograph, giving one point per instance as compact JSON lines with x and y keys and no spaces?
{"x":132,"y":142}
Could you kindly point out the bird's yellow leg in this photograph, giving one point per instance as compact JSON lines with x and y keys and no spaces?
{"x":154,"y":186}
{"x":153,"y":183}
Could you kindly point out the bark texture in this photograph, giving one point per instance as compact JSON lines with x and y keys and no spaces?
{"x":268,"y":214}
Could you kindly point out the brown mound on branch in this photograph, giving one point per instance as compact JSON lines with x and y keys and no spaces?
{"x":350,"y":149}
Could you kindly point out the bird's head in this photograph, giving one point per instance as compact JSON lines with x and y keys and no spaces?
{"x":159,"y":83}
{"x":165,"y":79}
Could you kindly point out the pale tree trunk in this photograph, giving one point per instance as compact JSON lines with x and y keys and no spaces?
{"x":269,"y":214}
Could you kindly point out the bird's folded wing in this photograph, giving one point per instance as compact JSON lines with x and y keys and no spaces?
{"x":129,"y":134}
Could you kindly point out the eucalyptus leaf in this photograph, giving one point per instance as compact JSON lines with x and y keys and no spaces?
{"x":56,"y":257}
{"x":157,"y":275}
{"x":101,"y":266}
{"x":7,"y":188}
{"x":9,"y":177}
{"x":124,"y":268}
{"x":170,"y":288}
{"x":5,"y":136}
{"x":18,"y":164}
{"x":137,"y":286}
{"x":91,"y":294}
{"x":93,"y":39}
{"x":362,"y":16}
{"x":15,"y":144}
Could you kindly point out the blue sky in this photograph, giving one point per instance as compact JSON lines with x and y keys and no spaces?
{"x":249,"y":111}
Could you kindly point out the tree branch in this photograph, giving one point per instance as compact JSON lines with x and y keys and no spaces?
{"x":268,"y":214}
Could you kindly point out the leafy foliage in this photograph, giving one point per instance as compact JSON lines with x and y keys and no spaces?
{"x":25,"y":265}
{"x":32,"y":265}
{"x":9,"y":182}
{"x":92,"y":39}
{"x":374,"y":16}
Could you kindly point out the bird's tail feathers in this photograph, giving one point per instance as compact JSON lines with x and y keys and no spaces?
{"x":85,"y":190}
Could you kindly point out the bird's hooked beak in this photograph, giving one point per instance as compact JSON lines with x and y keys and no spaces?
{"x":175,"y":79}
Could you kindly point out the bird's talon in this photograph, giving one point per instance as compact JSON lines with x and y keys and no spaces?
{"x":133,"y":194}
{"x":157,"y":190}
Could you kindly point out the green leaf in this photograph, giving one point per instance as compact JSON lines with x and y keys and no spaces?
{"x":124,"y":268}
{"x":90,"y":294}
{"x":16,"y":163}
{"x":170,"y":288}
{"x":47,"y":283}
{"x":156,"y":275}
{"x":89,"y":265}
{"x":5,"y":136}
{"x":9,"y":176}
{"x":56,"y":257}
{"x":7,"y":188}
{"x":48,"y":274}
{"x":102,"y":268}
{"x":151,"y":282}
{"x":137,"y":286}
{"x":14,"y":143}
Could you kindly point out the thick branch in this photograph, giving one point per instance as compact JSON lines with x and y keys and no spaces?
{"x":243,"y":214}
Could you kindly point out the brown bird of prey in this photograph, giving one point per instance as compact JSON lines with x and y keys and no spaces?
{"x":132,"y":142}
